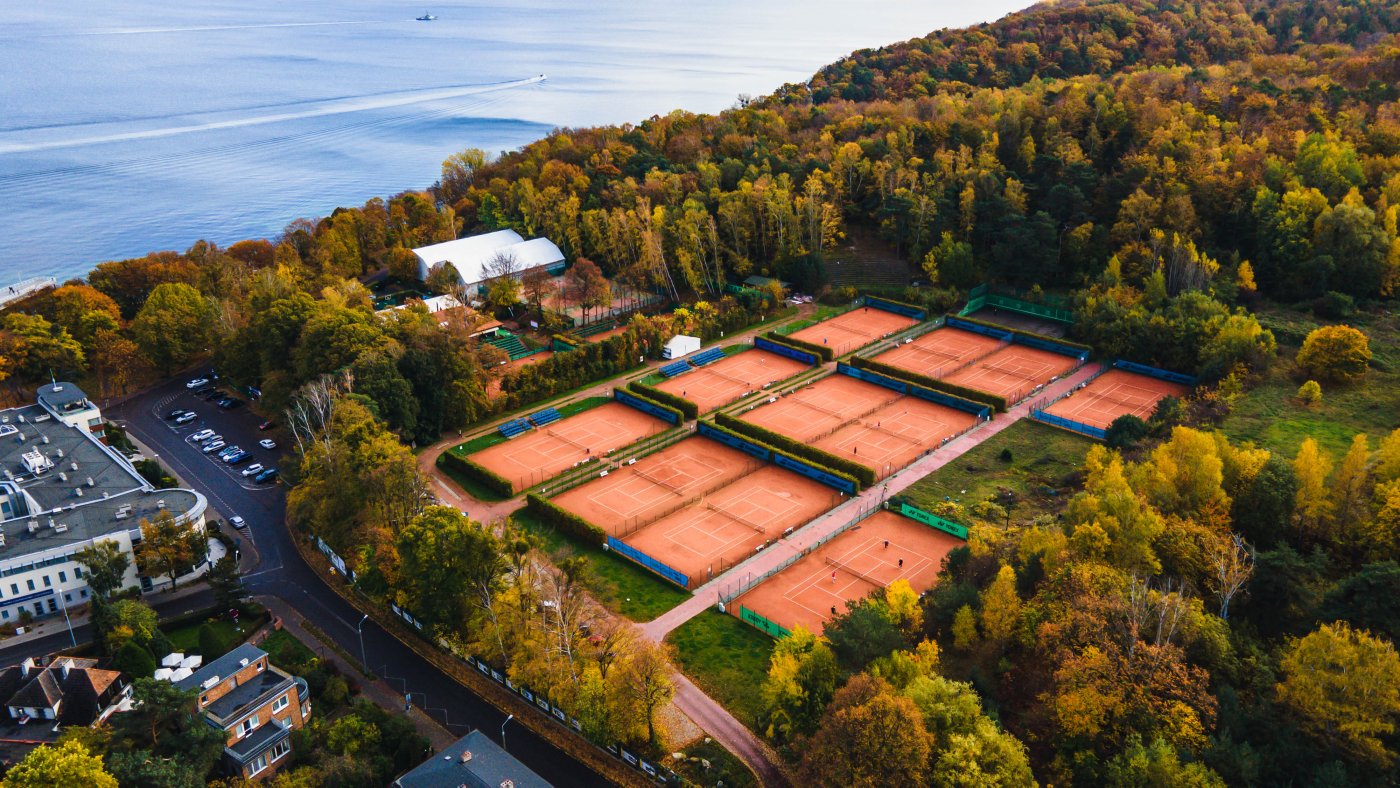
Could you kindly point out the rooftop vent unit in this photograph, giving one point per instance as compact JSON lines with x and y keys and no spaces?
{"x":59,"y":453}
{"x":90,"y":482}
{"x":2,"y":538}
{"x":19,"y":417}
{"x":243,"y":663}
{"x":104,"y":495}
{"x":51,"y":522}
{"x":41,"y":417}
{"x":210,"y":682}
{"x":35,"y":462}
{"x":21,"y":437}
{"x":46,"y":440}
{"x":33,"y":526}
{"x":123,"y":511}
{"x":72,"y":466}
{"x":466,"y":756}
{"x":63,"y":477}
{"x":4,"y":419}
{"x":78,"y":491}
{"x":8,"y":429}
{"x":160,"y":504}
{"x":60,"y":528}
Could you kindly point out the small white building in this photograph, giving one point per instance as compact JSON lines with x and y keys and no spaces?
{"x":471,"y":256}
{"x":680,"y":345}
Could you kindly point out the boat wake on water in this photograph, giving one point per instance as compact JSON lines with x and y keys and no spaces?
{"x":209,"y":121}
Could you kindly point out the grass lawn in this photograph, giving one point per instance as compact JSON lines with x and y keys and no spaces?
{"x":1269,"y":416}
{"x":725,"y":768}
{"x":494,"y":436}
{"x":823,"y":312}
{"x":727,"y":658}
{"x":1042,"y":463}
{"x":185,"y":637}
{"x":618,"y":584}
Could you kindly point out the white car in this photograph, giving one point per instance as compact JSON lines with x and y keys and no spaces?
{"x":202,"y":436}
{"x":196,"y":383}
{"x":268,"y":443}
{"x":187,"y":417}
{"x":253,"y":470}
{"x":237,"y":522}
{"x":213,"y":446}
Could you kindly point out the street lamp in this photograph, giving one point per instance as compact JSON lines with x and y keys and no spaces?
{"x":71,"y":636}
{"x":503,"y":730}
{"x":364,"y":663}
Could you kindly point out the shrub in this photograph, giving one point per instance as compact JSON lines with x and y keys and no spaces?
{"x":688,"y":409}
{"x":134,"y":660}
{"x":492,"y":481}
{"x":1126,"y":431}
{"x":1310,"y":393}
{"x":822,"y":352}
{"x":1005,"y":455}
{"x":998,"y":404}
{"x":212,"y":645}
{"x":1334,"y":306}
{"x":795,"y":449}
{"x":1337,"y":353}
{"x":566,"y":521}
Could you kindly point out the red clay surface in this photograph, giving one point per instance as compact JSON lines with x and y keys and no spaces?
{"x":877,"y":427}
{"x":725,"y":527}
{"x":721,"y":382}
{"x":808,"y":593}
{"x":940,"y":351}
{"x":855,"y":329}
{"x":1115,"y":393}
{"x":543,"y":453}
{"x":1014,"y":372}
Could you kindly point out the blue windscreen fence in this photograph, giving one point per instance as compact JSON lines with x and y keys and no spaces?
{"x":1052,"y":346}
{"x":788,"y":352}
{"x":978,"y":328}
{"x":622,"y":548}
{"x":649,"y":408}
{"x":948,"y":400}
{"x":907,"y":310}
{"x":733,"y":441}
{"x":811,"y":471}
{"x":1153,"y":372}
{"x":1069,"y":424}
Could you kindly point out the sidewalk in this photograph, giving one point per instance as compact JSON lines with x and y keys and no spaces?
{"x":376,"y":691}
{"x":708,"y":595}
{"x":56,"y":624}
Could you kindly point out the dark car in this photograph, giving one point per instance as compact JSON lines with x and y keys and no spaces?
{"x":230,"y":403}
{"x":268,"y":475}
{"x":205,"y":389}
{"x":213,"y":395}
{"x":241,"y":457}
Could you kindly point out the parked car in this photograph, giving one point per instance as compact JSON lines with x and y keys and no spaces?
{"x":240,"y":457}
{"x":214,"y":394}
{"x":213,"y":446}
{"x":230,"y":403}
{"x":268,"y":443}
{"x":205,"y":389}
{"x":254,"y":469}
{"x":266,"y":425}
{"x":268,"y":475}
{"x":196,"y":383}
{"x":229,"y":452}
{"x":237,"y":522}
{"x":177,"y":413}
{"x":202,"y":436}
{"x":187,"y":417}
{"x":211,"y":439}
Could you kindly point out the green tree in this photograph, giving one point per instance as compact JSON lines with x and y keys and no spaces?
{"x":226,"y":581}
{"x":1158,"y":765}
{"x":1343,"y":687}
{"x":168,"y":547}
{"x":1335,"y":353}
{"x":351,"y":735}
{"x":1001,"y":607}
{"x":174,"y":325}
{"x":134,"y":660}
{"x":106,"y":564}
{"x":952,"y":263}
{"x":864,"y":632}
{"x":802,"y":676}
{"x":443,"y":278}
{"x":446,"y":560}
{"x":1125,"y":432}
{"x":125,"y":619}
{"x":1310,"y":393}
{"x":868,"y":737}
{"x":68,"y":763}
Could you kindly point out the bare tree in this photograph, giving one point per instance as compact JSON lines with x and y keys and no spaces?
{"x":1232,"y":564}
{"x":538,"y":286}
{"x":309,"y":413}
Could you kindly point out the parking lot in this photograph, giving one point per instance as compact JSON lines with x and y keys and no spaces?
{"x":235,"y":427}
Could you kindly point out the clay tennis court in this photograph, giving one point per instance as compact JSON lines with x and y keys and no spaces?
{"x":806,"y":592}
{"x":730,"y":378}
{"x":1115,"y":393}
{"x":544,"y":452}
{"x":730,"y":524}
{"x":1014,"y":371}
{"x":855,"y":329}
{"x":656,"y":484}
{"x":879,"y":428}
{"x":939,"y":352}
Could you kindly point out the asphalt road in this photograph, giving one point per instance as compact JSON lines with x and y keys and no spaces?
{"x":82,"y":633}
{"x":282,"y":573}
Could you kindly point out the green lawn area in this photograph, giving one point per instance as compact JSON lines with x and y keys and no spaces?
{"x":185,"y":637}
{"x":725,"y":768}
{"x":1269,"y":416}
{"x":727,"y":658}
{"x":618,"y":584}
{"x":494,"y":437}
{"x":1043,"y":459}
{"x":823,"y":312}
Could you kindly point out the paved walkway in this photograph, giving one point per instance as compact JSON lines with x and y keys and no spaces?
{"x":734,"y":735}
{"x":709,"y":594}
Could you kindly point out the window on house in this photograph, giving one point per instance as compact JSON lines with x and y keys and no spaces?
{"x":84,"y":593}
{"x":67,"y":597}
{"x":280,"y":704}
{"x":203,"y":701}
{"x":259,"y":763}
{"x":48,"y":582}
{"x":14,"y":588}
{"x":4,"y":615}
{"x":279,"y":750}
{"x":77,"y":571}
{"x":30,"y":581}
{"x":261,"y":664}
{"x":247,"y":726}
{"x":62,"y":576}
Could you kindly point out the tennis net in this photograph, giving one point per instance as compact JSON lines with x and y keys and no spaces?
{"x":570,"y":441}
{"x":828,"y":411}
{"x":675,"y":488}
{"x":1125,"y":403}
{"x":726,"y":376}
{"x":936,"y":352}
{"x":736,"y":518}
{"x":872,"y":425}
{"x":845,"y":327}
{"x":1014,"y":373}
{"x":846,"y":567}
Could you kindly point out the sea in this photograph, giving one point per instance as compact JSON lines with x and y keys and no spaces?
{"x":138,"y":126}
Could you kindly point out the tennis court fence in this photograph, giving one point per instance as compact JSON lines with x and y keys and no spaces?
{"x":733,"y":589}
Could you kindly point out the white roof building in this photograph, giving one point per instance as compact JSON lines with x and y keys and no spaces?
{"x":470,"y":256}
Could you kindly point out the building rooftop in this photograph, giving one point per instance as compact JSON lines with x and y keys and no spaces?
{"x":267,"y":682}
{"x":248,"y":748}
{"x":223,"y":667}
{"x":470,"y":255}
{"x":473,"y":760}
{"x":63,"y":397}
{"x":61,"y":485}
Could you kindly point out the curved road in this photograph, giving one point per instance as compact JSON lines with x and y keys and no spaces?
{"x":282,"y":573}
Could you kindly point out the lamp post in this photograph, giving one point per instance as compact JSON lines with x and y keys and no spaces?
{"x":503,"y":730}
{"x":364,"y":663}
{"x":71,"y":636}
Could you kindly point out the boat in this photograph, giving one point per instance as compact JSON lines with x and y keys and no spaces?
{"x":425,"y":18}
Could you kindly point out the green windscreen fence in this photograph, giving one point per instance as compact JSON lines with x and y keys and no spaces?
{"x":932,"y":520}
{"x":762,"y":623}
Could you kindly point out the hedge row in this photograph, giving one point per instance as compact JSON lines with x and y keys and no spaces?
{"x":486,"y":477}
{"x":998,"y":404}
{"x":860,"y":474}
{"x":568,"y":340}
{"x":688,"y":409}
{"x":1031,"y":334}
{"x":822,"y":352}
{"x":680,"y":417}
{"x":900,"y":303}
{"x":566,"y":521}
